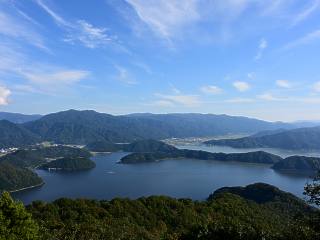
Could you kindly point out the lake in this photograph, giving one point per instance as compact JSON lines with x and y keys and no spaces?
{"x":183,"y":178}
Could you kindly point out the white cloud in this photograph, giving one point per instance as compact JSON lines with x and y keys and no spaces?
{"x":211,"y":89}
{"x":268,"y":97}
{"x":316,"y":86}
{"x":81,"y":31}
{"x":184,"y":100}
{"x":309,"y":38}
{"x":164,"y":17}
{"x":39,"y":77}
{"x":241,"y":86}
{"x":306,"y":100}
{"x":62,"y":77}
{"x":283,"y":84}
{"x":162,"y":103}
{"x":4,"y":95}
{"x":262,"y":46}
{"x":305,"y":13}
{"x":123,"y":75}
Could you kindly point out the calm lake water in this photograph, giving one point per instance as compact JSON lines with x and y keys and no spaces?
{"x":184,"y":178}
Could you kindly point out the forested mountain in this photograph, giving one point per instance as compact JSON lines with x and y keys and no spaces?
{"x":18,"y":117}
{"x":83,"y":127}
{"x":15,"y":135}
{"x":295,"y":139}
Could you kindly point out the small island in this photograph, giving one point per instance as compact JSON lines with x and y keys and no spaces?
{"x":153,"y":151}
{"x":69,"y":164}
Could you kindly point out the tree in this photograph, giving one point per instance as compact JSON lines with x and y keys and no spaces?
{"x":312,"y":190}
{"x":15,"y":222}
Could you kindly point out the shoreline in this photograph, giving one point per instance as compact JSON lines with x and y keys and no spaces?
{"x":26,"y":188}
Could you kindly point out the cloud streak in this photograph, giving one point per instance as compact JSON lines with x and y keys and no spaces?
{"x":211,"y":90}
{"x":261,"y":48}
{"x":16,"y":29}
{"x":307,"y":39}
{"x":164,"y":17}
{"x":283,"y":84}
{"x":80,"y":31}
{"x":179,"y":99}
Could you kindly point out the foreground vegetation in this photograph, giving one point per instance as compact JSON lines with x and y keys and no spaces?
{"x":258,"y":211}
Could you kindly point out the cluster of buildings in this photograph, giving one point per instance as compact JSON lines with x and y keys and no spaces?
{"x":7,"y":150}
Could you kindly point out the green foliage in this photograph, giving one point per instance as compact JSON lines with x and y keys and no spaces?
{"x":226,"y":216}
{"x":312,"y":190}
{"x":15,"y":222}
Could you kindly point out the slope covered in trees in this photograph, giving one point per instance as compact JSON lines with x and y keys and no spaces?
{"x":13,"y":135}
{"x":13,"y":178}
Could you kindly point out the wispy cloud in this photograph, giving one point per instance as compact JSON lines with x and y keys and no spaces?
{"x":80,"y":31}
{"x":180,"y":99}
{"x":164,"y":17}
{"x":269,"y":97}
{"x":60,"y":77}
{"x":306,"y":100}
{"x":210,"y":89}
{"x":283,"y":84}
{"x":38,"y":76}
{"x":123,"y":75}
{"x":307,"y":39}
{"x":305,"y":13}
{"x":14,"y":28}
{"x":262,"y":46}
{"x":162,"y":103}
{"x":4,"y":95}
{"x":241,"y":86}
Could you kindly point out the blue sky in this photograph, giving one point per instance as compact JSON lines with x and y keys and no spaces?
{"x":253,"y":58}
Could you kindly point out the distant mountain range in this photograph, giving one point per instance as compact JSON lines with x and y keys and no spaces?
{"x":18,"y":117}
{"x":83,"y":127}
{"x":294,"y":139}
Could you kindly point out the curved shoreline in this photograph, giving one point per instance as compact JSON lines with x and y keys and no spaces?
{"x":26,"y":188}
